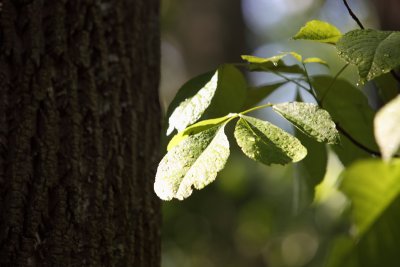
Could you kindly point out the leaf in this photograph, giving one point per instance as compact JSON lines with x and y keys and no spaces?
{"x":315,"y":60}
{"x":388,"y":87}
{"x":373,"y":52}
{"x":256,"y":94}
{"x":387,"y":128}
{"x":349,"y":109}
{"x":312,"y":120}
{"x":319,"y":31}
{"x":313,"y":167}
{"x":230,"y":95}
{"x":373,"y":187}
{"x":266,"y":143}
{"x":209,"y":95}
{"x":191,"y":108}
{"x":193,"y":162}
{"x":274,"y":63}
{"x":197,"y":128}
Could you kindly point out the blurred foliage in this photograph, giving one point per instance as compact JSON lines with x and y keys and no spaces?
{"x":254,"y":215}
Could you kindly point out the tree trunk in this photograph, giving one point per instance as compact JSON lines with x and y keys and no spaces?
{"x":79,"y":128}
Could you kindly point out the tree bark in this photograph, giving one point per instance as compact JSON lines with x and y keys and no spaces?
{"x":79,"y":128}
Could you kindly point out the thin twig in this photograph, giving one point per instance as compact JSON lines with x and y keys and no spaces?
{"x":324,"y":94}
{"x":355,"y":142}
{"x":352,"y":14}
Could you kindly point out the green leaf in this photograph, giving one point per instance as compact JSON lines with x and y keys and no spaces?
{"x":266,"y":143}
{"x":311,"y":119}
{"x":197,"y":128}
{"x":313,"y":167}
{"x":319,"y":31}
{"x":387,"y":128}
{"x":231,"y":93}
{"x":191,"y":108}
{"x":373,"y":187}
{"x":349,"y":109}
{"x":388,"y":87}
{"x":373,"y":52}
{"x":274,"y":63}
{"x":256,"y":94}
{"x":209,"y":95}
{"x":195,"y":161}
{"x":315,"y":60}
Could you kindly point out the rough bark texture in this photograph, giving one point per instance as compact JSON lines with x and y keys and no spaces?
{"x":79,"y":127}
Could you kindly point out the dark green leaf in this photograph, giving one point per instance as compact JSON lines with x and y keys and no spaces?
{"x":313,"y":167}
{"x":266,"y":143}
{"x":349,"y":108}
{"x":373,"y":52}
{"x":256,"y":94}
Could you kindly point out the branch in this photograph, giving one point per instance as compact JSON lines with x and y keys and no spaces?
{"x":358,"y":144}
{"x":352,"y":14}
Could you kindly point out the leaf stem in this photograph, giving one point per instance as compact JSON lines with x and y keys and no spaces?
{"x":312,"y":91}
{"x":256,"y":108}
{"x":353,"y":15}
{"x":290,"y":80}
{"x":325,"y":93}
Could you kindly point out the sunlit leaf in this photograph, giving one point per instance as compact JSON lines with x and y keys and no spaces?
{"x":387,"y":128}
{"x":197,"y":128}
{"x":319,"y":31}
{"x":373,"y":52}
{"x":315,"y":60}
{"x":209,"y":95}
{"x":266,"y":143}
{"x":195,"y":161}
{"x":311,"y":119}
{"x":274,"y":63}
{"x":190,"y":109}
{"x":373,"y":187}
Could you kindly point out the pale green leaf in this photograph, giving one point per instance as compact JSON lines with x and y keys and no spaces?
{"x":274,"y":63}
{"x":311,"y":119}
{"x":209,"y":95}
{"x":373,"y":187}
{"x":373,"y":52}
{"x":197,"y":128}
{"x":387,"y":128}
{"x":319,"y":31}
{"x":266,"y":143}
{"x":315,"y":60}
{"x":191,"y":109}
{"x":194,"y":162}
